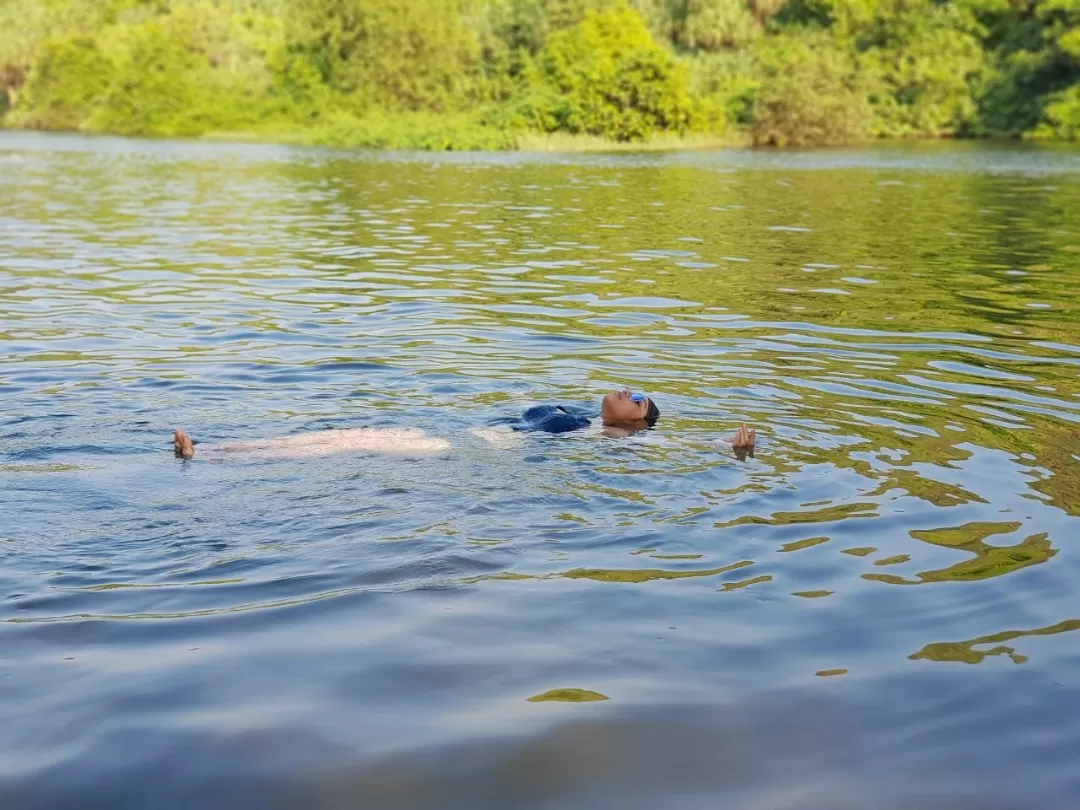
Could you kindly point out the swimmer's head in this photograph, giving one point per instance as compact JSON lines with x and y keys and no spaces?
{"x":624,"y":408}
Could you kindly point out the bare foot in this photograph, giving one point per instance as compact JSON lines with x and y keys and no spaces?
{"x":185,"y":448}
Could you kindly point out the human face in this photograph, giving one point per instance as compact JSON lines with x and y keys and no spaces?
{"x":618,"y":409}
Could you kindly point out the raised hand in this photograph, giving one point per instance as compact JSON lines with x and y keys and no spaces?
{"x":743,"y":437}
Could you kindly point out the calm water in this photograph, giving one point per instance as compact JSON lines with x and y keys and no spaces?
{"x":880,"y":610}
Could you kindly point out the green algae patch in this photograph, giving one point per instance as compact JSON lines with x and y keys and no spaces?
{"x":812,"y":594}
{"x":734,"y":586}
{"x":829,"y":673}
{"x":647,"y":574}
{"x":568,"y":696}
{"x":993,"y":561}
{"x":506,"y":576}
{"x":861,"y":551}
{"x":114,"y":586}
{"x":807,"y":543}
{"x":827,"y":515}
{"x":989,"y":561}
{"x":937,"y":493}
{"x":969,"y":534}
{"x":964,"y":652}
{"x":890,"y":579}
{"x":652,"y":553}
{"x":41,"y":468}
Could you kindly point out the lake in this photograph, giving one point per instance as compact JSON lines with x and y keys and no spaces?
{"x":878,"y":610}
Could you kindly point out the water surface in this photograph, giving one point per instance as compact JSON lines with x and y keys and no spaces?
{"x":877,"y":611}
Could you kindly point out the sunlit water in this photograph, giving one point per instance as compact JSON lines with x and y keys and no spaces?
{"x":880,"y":610}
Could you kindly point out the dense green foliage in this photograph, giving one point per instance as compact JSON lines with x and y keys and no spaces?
{"x":442,"y":74}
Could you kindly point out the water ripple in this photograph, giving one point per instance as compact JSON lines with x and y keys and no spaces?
{"x":900,"y":325}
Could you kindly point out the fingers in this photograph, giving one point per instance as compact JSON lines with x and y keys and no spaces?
{"x":744,"y":437}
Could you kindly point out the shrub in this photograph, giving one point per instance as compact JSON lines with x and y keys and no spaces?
{"x":157,"y":87}
{"x":923,"y":61}
{"x":409,"y":56}
{"x":478,"y":73}
{"x":611,"y":79}
{"x":709,"y":25}
{"x":811,"y":95}
{"x":70,"y":78}
{"x":1062,"y":116}
{"x":424,"y":131}
{"x":725,"y":84}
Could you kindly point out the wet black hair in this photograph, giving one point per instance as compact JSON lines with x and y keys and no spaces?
{"x":652,"y":414}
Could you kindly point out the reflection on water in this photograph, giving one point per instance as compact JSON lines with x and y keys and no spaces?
{"x":568,"y":696}
{"x":901,"y":325}
{"x":965,"y":651}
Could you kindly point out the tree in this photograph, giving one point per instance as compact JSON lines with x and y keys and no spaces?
{"x":606,"y":76}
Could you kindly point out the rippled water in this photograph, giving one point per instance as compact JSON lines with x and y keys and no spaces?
{"x":878,"y":611}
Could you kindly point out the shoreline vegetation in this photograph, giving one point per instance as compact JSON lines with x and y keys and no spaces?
{"x":533,"y":142}
{"x":544,"y":75}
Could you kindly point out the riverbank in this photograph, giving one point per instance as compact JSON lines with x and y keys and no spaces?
{"x":553,"y":142}
{"x":574,"y":75}
{"x":450,"y":140}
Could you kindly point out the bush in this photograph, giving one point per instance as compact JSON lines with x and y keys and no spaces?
{"x":68,"y":82}
{"x":408,"y":56}
{"x":1035,"y":48}
{"x":158,"y":87}
{"x":725,"y":84}
{"x":1062,"y":116}
{"x":923,"y":62}
{"x":811,"y":95}
{"x":1009,"y":102}
{"x":410,"y":131}
{"x":194,"y":70}
{"x":448,"y":74}
{"x":606,"y":76}
{"x":709,"y":25}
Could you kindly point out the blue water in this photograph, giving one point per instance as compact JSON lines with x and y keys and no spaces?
{"x":877,"y":610}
